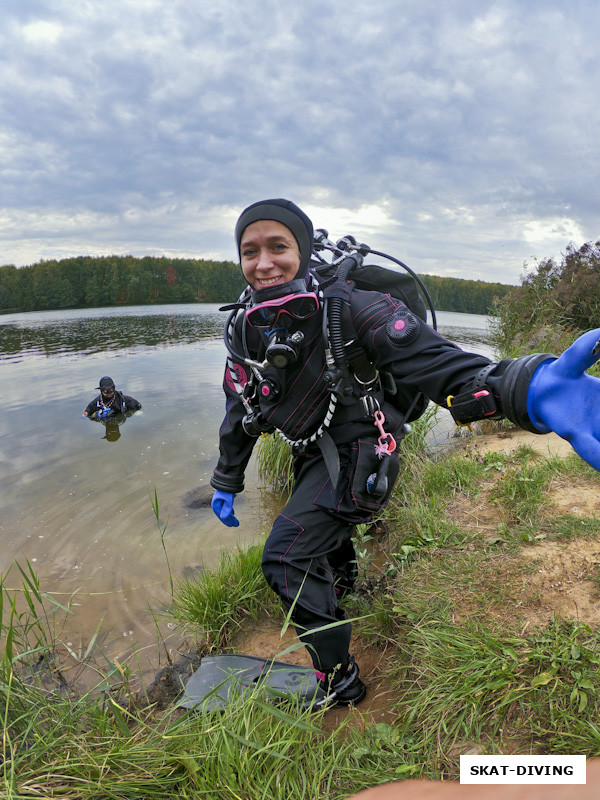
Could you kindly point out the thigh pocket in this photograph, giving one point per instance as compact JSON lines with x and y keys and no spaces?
{"x":365,"y":483}
{"x":373,"y":476}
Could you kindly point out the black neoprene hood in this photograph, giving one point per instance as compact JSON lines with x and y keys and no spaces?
{"x":104,"y":382}
{"x":288,"y":214}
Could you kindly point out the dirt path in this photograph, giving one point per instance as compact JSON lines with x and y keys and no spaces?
{"x":566,"y":577}
{"x":564,"y":580}
{"x":508,"y":441}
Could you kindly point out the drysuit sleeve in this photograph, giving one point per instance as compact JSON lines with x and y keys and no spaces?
{"x":235,"y":446}
{"x":131,"y":404}
{"x":91,"y":407}
{"x":471,"y":386}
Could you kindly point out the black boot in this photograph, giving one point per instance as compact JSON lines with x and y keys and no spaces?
{"x":342,"y":686}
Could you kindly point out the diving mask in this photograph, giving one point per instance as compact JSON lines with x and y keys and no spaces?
{"x":300,"y":305}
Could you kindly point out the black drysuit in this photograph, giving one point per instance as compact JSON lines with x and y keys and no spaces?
{"x":119,"y":404}
{"x":308,"y":555}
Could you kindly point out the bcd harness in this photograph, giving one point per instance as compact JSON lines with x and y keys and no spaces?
{"x":116,"y":405}
{"x":469,"y":406}
{"x":350,"y":375}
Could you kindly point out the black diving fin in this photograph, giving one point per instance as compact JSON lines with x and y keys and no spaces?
{"x":220,"y":678}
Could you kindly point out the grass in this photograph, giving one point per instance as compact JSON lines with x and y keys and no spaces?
{"x":274,"y":462}
{"x":250,"y":750}
{"x":98,"y":746}
{"x":447,"y":597}
{"x":468,"y":684}
{"x":217,"y":602}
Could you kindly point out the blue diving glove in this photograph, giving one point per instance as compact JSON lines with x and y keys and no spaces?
{"x":222,"y":505}
{"x":564,"y":399}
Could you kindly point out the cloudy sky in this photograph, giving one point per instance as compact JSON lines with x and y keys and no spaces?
{"x":459,"y":135}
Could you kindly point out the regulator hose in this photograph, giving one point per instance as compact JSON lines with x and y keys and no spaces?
{"x":420,"y":283}
{"x":333,"y":315}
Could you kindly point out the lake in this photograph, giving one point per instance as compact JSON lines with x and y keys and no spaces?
{"x":77,"y":499}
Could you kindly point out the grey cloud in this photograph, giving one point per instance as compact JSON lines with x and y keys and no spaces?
{"x":473,"y":124}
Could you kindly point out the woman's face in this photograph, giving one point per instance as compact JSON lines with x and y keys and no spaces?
{"x":269,"y":254}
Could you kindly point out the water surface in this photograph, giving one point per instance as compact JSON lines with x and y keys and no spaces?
{"x":76,"y":497}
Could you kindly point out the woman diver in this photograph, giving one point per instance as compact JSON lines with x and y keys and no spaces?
{"x":334,"y":412}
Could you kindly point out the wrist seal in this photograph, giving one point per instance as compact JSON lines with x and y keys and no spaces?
{"x":514,"y":387}
{"x":227,"y":484}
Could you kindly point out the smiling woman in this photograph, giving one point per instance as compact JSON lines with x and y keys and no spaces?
{"x":278,"y":231}
{"x":269,"y":254}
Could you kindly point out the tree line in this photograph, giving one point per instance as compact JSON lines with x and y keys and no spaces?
{"x":458,"y":294}
{"x":96,"y":281}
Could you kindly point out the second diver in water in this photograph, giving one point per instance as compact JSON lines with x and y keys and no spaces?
{"x":110,"y":402}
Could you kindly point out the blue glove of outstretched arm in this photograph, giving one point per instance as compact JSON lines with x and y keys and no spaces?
{"x":222,"y":505}
{"x":564,"y":399}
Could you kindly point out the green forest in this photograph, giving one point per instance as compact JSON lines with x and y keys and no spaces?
{"x":96,"y":281}
{"x":469,"y":297}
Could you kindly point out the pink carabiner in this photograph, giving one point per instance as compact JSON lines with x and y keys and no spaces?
{"x":386,"y":442}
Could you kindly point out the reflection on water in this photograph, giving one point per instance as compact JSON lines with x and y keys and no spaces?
{"x":467,"y":338}
{"x":112,"y":426}
{"x":62,"y":333}
{"x":76,"y":495}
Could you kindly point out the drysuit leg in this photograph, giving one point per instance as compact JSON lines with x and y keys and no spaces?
{"x":306,"y":553}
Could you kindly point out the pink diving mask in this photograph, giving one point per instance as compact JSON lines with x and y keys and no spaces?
{"x":301,"y":305}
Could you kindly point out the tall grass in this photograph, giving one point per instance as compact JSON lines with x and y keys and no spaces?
{"x":275,"y":464}
{"x":251,"y":750}
{"x":462,"y":671}
{"x":467,"y":684}
{"x":98,"y":746}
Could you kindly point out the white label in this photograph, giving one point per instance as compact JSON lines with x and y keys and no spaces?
{"x":522,"y":769}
